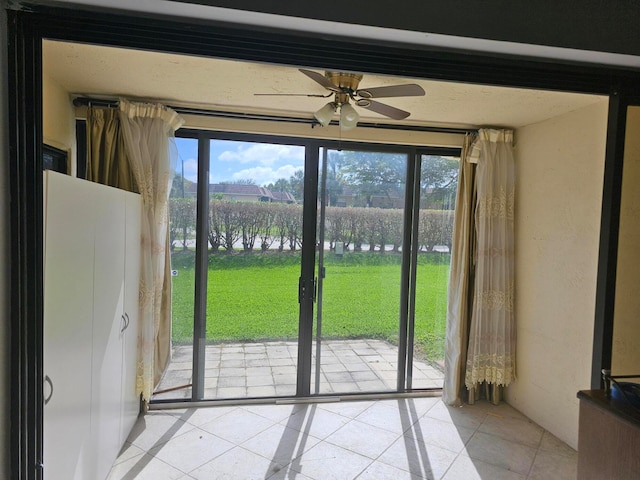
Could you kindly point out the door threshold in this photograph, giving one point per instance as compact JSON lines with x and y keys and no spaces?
{"x":170,"y":404}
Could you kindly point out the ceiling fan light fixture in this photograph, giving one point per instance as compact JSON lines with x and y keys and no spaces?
{"x":348,"y":117}
{"x":325,"y":114}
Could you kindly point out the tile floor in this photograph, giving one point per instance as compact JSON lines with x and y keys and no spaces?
{"x":267,"y":369}
{"x":384,"y":439}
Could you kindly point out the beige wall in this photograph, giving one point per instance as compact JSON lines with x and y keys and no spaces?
{"x":560,"y":165}
{"x":626,"y":330}
{"x":58,"y":119}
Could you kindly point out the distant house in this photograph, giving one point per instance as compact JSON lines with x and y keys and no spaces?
{"x":283,"y":197}
{"x":234,"y":192}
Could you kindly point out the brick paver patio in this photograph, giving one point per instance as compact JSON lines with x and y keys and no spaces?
{"x":266,"y":369}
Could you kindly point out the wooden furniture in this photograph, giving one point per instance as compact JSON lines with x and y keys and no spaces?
{"x":608,"y":439}
{"x":91,"y":276}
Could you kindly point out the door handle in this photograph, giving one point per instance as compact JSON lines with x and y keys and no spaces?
{"x":301,"y":290}
{"x":126,"y":317}
{"x":123,"y":323}
{"x":315,"y":289}
{"x":48,"y":380}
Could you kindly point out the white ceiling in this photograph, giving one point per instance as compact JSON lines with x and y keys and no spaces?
{"x":90,"y":70}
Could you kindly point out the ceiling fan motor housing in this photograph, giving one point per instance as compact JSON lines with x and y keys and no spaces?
{"x":345,"y":82}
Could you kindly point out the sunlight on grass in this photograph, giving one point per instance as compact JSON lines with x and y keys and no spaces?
{"x":253,"y":297}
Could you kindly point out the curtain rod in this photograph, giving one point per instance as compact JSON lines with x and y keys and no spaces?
{"x":86,"y":101}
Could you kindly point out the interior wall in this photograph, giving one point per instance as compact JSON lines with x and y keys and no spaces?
{"x":560,"y":167}
{"x":626,"y":328}
{"x":5,"y":283}
{"x":58,"y":119}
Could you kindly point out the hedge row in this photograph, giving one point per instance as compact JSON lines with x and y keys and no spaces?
{"x":279,"y":226}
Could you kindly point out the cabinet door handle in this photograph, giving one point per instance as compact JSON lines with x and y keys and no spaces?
{"x":126,"y":317}
{"x":123,"y":323}
{"x":48,"y":380}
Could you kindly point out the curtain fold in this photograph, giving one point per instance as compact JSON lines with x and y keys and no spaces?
{"x":460,"y":280}
{"x":492,"y":336}
{"x":148,"y":131}
{"x":107,"y":162}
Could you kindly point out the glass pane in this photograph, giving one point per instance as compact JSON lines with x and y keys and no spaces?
{"x":182,"y":235}
{"x":360,"y":262}
{"x":255,"y":235}
{"x":438,"y":185}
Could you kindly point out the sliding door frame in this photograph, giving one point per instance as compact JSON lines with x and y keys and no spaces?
{"x":307,"y":282}
{"x":29,"y":24}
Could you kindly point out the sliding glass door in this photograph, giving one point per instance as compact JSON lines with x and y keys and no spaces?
{"x":435,"y":193}
{"x":255,"y":237}
{"x":303,"y":269}
{"x":359,"y":270}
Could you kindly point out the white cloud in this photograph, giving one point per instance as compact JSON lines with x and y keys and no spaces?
{"x":264,"y":154}
{"x":265,"y":175}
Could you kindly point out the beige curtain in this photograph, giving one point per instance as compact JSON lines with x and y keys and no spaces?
{"x":460,"y":280}
{"x":148,"y":131}
{"x":491,"y":357}
{"x":107,"y":161}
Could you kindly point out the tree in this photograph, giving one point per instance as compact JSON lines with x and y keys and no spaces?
{"x":182,"y":220}
{"x":280,"y":185}
{"x":373,"y":173}
{"x":334,"y":186}
{"x":296,"y":182}
{"x":181,"y":187}
{"x":239,"y":181}
{"x":439,"y":181}
{"x":294,"y":185}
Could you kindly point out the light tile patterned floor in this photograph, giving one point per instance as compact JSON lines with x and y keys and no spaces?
{"x":267,"y":369}
{"x":385,"y":439}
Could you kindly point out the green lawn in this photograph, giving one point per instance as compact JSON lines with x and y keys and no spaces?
{"x":254,"y":297}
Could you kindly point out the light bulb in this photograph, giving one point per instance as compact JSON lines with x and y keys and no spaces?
{"x":348,"y":117}
{"x":325,"y":114}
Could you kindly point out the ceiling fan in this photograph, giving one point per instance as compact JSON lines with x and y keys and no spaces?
{"x":344,"y":87}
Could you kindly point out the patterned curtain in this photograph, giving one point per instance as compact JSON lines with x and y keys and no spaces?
{"x":491,"y":356}
{"x":148,"y":131}
{"x":460,"y":279}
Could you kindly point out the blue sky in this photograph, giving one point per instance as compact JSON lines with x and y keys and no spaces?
{"x":230,"y":160}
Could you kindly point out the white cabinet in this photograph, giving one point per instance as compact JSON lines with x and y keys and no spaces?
{"x":130,"y":400}
{"x":92,"y":266}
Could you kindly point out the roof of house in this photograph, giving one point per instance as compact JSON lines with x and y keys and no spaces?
{"x":283,"y":197}
{"x":239,"y":189}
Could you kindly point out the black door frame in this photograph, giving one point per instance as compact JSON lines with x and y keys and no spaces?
{"x":619,"y":102}
{"x":30,"y":25}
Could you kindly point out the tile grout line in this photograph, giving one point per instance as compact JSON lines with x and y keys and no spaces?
{"x":533,"y":462}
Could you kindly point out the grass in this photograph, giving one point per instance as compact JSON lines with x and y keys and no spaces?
{"x":253,"y":297}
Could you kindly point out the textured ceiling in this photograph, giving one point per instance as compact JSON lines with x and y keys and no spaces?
{"x":92,"y":70}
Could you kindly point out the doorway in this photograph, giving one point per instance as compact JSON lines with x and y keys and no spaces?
{"x":26,"y":31}
{"x":312,"y":254}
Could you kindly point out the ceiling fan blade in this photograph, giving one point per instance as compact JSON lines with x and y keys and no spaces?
{"x":320,"y":78}
{"x":292,"y":95}
{"x":409,"y":90}
{"x":383,"y":109}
